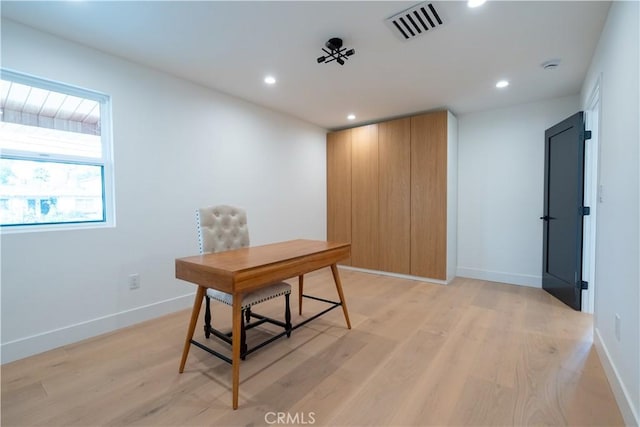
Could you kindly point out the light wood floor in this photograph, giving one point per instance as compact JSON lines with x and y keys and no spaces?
{"x":471,"y":353}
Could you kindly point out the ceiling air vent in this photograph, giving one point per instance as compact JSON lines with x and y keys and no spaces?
{"x":415,"y":21}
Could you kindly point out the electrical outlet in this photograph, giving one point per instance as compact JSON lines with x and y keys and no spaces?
{"x":617,"y":327}
{"x":134,"y":281}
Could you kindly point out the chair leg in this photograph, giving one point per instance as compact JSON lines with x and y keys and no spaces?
{"x":243,"y":338}
{"x":300,"y":291}
{"x":247,"y":314}
{"x":287,"y":315}
{"x":207,"y":317}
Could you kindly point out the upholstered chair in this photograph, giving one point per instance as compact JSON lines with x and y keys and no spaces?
{"x":223,"y":228}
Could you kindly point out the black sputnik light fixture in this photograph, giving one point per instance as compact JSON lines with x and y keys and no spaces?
{"x":335,"y":52}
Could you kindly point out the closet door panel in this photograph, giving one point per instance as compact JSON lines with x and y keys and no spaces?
{"x":364,"y":200}
{"x":394,"y":155}
{"x":339,"y":187}
{"x":429,"y":195}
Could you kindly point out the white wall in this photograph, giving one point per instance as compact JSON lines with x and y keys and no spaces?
{"x":500,"y":190}
{"x":617,"y":275}
{"x":177,"y":146}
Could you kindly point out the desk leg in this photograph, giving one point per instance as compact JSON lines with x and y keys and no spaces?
{"x":235,"y":356}
{"x":300,"y":286}
{"x":336,"y":278}
{"x":195,"y":312}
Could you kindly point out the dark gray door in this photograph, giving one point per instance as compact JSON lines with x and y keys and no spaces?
{"x":563,"y":211}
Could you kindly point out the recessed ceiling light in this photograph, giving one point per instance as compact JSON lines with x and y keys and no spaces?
{"x":475,"y":3}
{"x":502,"y":84}
{"x":270,"y":80}
{"x":351,"y":117}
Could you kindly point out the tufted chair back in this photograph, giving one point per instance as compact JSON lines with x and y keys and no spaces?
{"x":221,"y":228}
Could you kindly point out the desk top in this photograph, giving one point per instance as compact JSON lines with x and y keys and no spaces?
{"x":246,"y":269}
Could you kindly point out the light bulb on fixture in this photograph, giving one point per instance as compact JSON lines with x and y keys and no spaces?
{"x":351,"y":117}
{"x":502,"y":84}
{"x":270,"y":80}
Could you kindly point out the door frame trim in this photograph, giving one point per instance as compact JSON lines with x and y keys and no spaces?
{"x":592,"y":195}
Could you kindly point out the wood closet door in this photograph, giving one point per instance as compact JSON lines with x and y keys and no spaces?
{"x":394,"y":156}
{"x":364,"y":199}
{"x":339,"y":188}
{"x":429,"y":195}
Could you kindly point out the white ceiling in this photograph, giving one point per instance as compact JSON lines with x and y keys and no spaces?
{"x":231,"y":46}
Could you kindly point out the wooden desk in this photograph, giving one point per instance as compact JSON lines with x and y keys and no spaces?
{"x":243,"y":270}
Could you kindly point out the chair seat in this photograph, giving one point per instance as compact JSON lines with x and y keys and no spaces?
{"x":252,"y":298}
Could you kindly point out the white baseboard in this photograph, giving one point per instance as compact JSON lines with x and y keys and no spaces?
{"x":629,"y":413}
{"x":401,"y":276}
{"x":499,"y":276}
{"x":24,"y":347}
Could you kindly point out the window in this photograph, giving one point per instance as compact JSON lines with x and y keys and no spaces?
{"x":55,"y":155}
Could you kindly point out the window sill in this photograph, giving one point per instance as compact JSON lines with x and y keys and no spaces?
{"x":19,"y":229}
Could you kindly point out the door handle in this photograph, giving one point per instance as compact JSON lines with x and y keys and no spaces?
{"x":546,"y":218}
